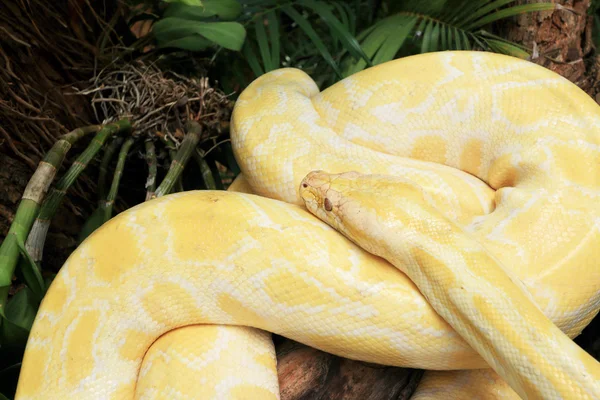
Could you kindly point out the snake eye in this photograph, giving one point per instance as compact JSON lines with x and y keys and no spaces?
{"x":327,"y":204}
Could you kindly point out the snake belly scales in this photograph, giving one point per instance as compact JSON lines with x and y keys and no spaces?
{"x":177,"y":297}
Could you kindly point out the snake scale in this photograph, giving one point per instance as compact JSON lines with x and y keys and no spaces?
{"x":487,"y":169}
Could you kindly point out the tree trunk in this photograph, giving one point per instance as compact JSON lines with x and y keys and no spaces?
{"x":561,"y":39}
{"x":309,"y":374}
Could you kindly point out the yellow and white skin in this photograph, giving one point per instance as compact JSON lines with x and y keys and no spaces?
{"x":487,"y":305}
{"x":153,"y":302}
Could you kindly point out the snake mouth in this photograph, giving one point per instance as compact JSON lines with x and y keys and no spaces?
{"x":311,"y":191}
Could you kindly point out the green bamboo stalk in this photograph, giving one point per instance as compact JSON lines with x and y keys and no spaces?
{"x":152,"y":169}
{"x":178,"y":187}
{"x":37,"y":236}
{"x":30,"y":204}
{"x":110,"y":151}
{"x":114,"y":188}
{"x":212,"y":164}
{"x":188,"y":145}
{"x":205,"y":171}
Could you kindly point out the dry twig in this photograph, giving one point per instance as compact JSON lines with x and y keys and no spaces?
{"x":156,"y":101}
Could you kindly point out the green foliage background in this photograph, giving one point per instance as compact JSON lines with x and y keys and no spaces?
{"x":328,"y":39}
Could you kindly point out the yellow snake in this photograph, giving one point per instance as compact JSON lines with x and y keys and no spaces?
{"x":489,"y":167}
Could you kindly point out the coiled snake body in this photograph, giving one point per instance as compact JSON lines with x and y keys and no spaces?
{"x":174,"y":298}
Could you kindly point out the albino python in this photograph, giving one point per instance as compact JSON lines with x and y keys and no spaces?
{"x":489,"y":171}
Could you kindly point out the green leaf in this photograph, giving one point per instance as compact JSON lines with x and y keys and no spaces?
{"x":457,"y":39}
{"x":426,"y":41}
{"x":466,"y":41}
{"x":168,"y":29}
{"x":480,"y":43}
{"x":274,"y":37}
{"x":363,"y":34}
{"x":375,"y":37}
{"x":481,"y":10}
{"x":444,"y":33}
{"x":463,"y":10}
{"x":422,"y":25}
{"x":230,"y":35}
{"x":186,"y":2}
{"x":216,"y":175}
{"x":344,"y":36}
{"x":396,"y":38}
{"x":313,"y":36}
{"x":263,"y":44}
{"x":485,"y":34}
{"x":190,"y":43}
{"x":429,"y":7}
{"x":94,"y":221}
{"x":231,"y":161}
{"x":346,"y":16}
{"x":206,"y":173}
{"x":22,"y":308}
{"x":252,"y":59}
{"x":30,"y":271}
{"x":201,"y":10}
{"x":19,"y":316}
{"x":435,"y":37}
{"x":507,"y":48}
{"x":509,"y":12}
{"x":48,"y":279}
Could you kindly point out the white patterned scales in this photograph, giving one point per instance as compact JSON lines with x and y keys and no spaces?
{"x":175,"y":298}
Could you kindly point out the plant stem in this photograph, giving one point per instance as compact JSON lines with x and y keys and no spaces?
{"x":30,"y":204}
{"x":37,"y":236}
{"x":187,"y":148}
{"x":114,"y":189}
{"x":152,"y":169}
{"x":178,"y":187}
{"x":207,"y":176}
{"x":108,"y":154}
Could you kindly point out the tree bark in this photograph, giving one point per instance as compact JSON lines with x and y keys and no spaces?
{"x":561,"y":40}
{"x":309,"y":374}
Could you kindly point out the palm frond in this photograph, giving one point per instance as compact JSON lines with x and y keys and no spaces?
{"x":313,"y":36}
{"x":273,"y":24}
{"x":443,"y":25}
{"x":338,"y":29}
{"x":383,"y":40}
{"x":252,"y":59}
{"x":336,"y":38}
{"x":263,"y":45}
{"x":509,"y":12}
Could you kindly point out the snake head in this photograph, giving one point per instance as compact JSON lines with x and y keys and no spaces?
{"x":371,"y":209}
{"x":342,"y":201}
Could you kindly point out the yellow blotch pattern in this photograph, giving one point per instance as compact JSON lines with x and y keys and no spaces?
{"x":78,"y":341}
{"x":167,"y":300}
{"x":470,"y":159}
{"x":430,"y":148}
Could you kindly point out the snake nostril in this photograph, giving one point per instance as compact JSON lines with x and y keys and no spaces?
{"x":327,"y":204}
{"x":304,"y":185}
